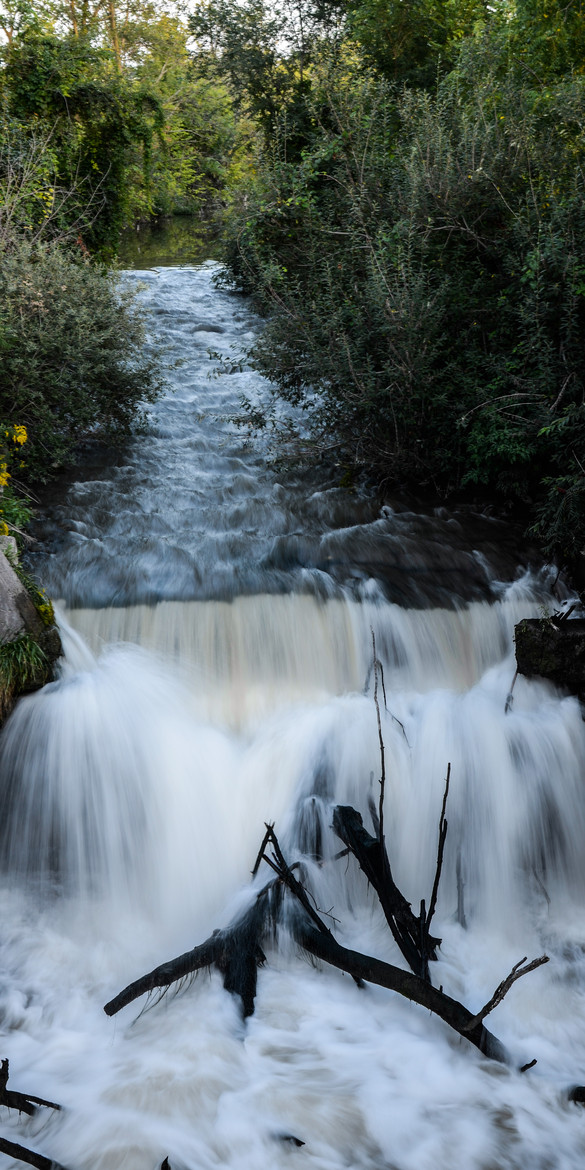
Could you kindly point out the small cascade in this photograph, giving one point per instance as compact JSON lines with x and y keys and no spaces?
{"x":219,"y":630}
{"x":146,"y":750}
{"x":257,"y":652}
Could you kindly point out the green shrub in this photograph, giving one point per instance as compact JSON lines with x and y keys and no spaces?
{"x":73,"y":361}
{"x":24,"y":666}
{"x":422,"y":274}
{"x":95,"y":122}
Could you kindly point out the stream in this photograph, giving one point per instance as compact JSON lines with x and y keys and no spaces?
{"x":217,"y":616}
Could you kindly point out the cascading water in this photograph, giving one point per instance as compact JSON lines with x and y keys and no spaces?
{"x":218,"y":633}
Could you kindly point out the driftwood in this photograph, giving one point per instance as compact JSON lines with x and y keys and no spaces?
{"x":410,"y":932}
{"x":237,"y":952}
{"x":405,"y":983}
{"x":25,"y":1103}
{"x":29,"y":1156}
{"x":21,"y":1101}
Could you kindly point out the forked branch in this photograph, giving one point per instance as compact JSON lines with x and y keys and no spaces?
{"x":25,"y":1103}
{"x":21,"y":1101}
{"x":503,"y":988}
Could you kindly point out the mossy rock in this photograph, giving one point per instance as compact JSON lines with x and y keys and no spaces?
{"x":29,"y":640}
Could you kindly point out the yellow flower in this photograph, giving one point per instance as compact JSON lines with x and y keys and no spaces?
{"x":19,"y":435}
{"x":3,"y":528}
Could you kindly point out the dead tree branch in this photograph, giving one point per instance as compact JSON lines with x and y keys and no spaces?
{"x":237,"y":953}
{"x":381,"y":741}
{"x":377,"y":664}
{"x":503,"y":988}
{"x":186,"y":964}
{"x":372,"y":858}
{"x":25,"y":1103}
{"x":443,"y":825}
{"x":510,"y":696}
{"x":405,"y":983}
{"x":285,"y":873}
{"x":21,"y":1154}
{"x":21,"y":1101}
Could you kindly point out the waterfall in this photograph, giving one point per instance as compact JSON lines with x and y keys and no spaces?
{"x":218,"y":627}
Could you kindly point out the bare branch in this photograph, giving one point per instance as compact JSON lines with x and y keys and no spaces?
{"x":502,"y":990}
{"x":510,"y":696}
{"x":440,"y":851}
{"x":284,"y":871}
{"x":404,"y":982}
{"x":237,"y":953}
{"x":21,"y":1101}
{"x":260,"y":856}
{"x":381,"y":739}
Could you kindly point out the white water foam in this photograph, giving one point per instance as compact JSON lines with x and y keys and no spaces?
{"x":147,"y":817}
{"x":136,"y":787}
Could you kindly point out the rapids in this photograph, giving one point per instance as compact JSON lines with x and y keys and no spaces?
{"x":217,"y":620}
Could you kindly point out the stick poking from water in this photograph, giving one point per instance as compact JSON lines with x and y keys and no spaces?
{"x":25,"y":1104}
{"x":503,"y":988}
{"x":381,"y":739}
{"x":443,"y":826}
{"x":21,"y":1101}
{"x":510,"y":696}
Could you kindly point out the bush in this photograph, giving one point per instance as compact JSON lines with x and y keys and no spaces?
{"x":24,"y":666}
{"x":421,"y":270}
{"x":73,"y":358}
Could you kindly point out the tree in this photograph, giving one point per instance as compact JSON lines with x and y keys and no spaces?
{"x":93,"y":115}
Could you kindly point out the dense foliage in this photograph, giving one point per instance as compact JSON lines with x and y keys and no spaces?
{"x":73,"y":356}
{"x":418,"y":250}
{"x":132,"y":125}
{"x":78,"y":140}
